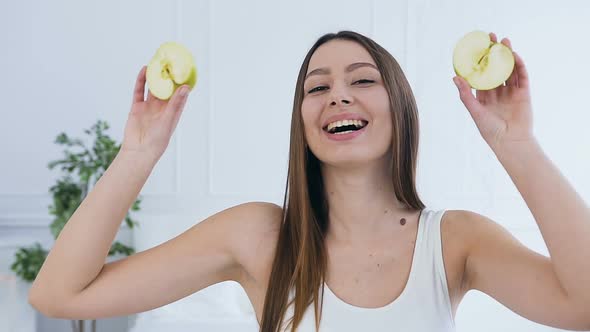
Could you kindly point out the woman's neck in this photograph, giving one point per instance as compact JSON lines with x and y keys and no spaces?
{"x":362,"y":204}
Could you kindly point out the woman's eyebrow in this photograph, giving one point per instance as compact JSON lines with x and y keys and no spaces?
{"x":351,"y":67}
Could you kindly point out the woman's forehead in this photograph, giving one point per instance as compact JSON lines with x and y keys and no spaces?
{"x":338,"y":54}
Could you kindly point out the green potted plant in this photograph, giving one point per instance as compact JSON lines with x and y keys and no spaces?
{"x":88,"y":165}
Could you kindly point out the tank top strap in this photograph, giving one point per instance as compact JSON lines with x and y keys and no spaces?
{"x":431,"y":269}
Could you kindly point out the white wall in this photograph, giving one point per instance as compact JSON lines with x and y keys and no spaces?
{"x":68,"y":63}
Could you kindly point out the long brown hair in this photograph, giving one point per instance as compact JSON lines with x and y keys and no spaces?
{"x":300,"y":260}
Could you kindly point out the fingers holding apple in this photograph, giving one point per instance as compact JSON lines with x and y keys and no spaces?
{"x":501,"y":113}
{"x":170,"y":75}
{"x":139,"y":90}
{"x":493,"y":37}
{"x":519,"y":77}
{"x":175,"y":106}
{"x":513,"y":79}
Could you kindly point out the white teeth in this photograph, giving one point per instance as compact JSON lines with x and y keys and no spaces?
{"x":357,"y":123}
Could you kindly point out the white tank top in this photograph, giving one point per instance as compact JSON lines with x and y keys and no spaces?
{"x":423,"y":306}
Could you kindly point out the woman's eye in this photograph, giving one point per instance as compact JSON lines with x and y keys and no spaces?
{"x":320,"y":88}
{"x":365,"y":81}
{"x":317,"y":89}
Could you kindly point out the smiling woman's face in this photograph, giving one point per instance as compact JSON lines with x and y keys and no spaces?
{"x":343,"y":79}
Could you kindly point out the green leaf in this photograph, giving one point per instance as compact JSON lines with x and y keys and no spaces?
{"x":135,"y":206}
{"x":119,"y":248}
{"x":79,"y":165}
{"x":28,"y":262}
{"x":130,"y":222}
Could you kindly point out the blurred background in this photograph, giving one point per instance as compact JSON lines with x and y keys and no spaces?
{"x":68,"y":64}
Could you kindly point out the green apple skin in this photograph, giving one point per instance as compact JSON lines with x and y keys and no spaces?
{"x":192,"y":79}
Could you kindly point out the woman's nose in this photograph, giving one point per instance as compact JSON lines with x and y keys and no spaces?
{"x":340,"y":102}
{"x":340,"y":96}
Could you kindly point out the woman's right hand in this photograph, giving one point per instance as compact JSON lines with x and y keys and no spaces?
{"x":152,"y":121}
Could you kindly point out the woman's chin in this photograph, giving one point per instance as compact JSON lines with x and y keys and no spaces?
{"x":350,"y":160}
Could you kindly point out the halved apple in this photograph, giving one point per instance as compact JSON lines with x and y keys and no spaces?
{"x":172,"y":66}
{"x":484,"y":64}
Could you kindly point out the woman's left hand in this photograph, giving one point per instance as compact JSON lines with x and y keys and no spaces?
{"x":503,"y":115}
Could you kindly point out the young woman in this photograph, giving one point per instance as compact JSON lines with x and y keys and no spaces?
{"x":353,"y":248}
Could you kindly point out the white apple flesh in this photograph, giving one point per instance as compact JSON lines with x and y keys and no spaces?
{"x":484,"y":64}
{"x":172,"y":66}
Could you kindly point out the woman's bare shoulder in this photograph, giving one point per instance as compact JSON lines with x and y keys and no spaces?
{"x":259,"y":218}
{"x":255,"y":239}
